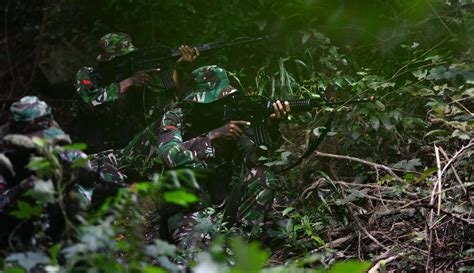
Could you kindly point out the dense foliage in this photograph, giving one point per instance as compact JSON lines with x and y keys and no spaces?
{"x":389,"y":187}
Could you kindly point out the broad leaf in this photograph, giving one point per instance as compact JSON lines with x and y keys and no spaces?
{"x":180,"y":197}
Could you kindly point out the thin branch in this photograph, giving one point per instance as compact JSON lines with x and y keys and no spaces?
{"x":345,"y":157}
{"x":456,"y":175}
{"x":383,"y":262}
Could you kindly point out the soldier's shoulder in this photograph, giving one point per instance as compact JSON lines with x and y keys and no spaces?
{"x":178,"y":111}
{"x":84,"y":72}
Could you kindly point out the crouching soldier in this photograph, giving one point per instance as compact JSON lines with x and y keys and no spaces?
{"x":32,"y":155}
{"x":223,"y":150}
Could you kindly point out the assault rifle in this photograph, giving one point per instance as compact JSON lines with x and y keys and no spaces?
{"x":255,"y":109}
{"x":157,"y":57}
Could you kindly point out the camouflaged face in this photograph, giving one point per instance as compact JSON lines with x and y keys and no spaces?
{"x":29,"y":108}
{"x":210,"y":84}
{"x":115,"y":44}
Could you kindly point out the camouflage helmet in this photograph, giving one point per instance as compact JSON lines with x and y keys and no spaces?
{"x":32,"y":117}
{"x":29,"y":108}
{"x":115,"y":44}
{"x":210,"y":83}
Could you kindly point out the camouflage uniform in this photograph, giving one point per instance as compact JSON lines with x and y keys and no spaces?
{"x":31,"y":117}
{"x":254,"y":194}
{"x":139,"y":159}
{"x":102,"y":114}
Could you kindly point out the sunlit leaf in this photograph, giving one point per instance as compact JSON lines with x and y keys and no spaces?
{"x":153,"y":269}
{"x":420,"y":74}
{"x":180,"y":197}
{"x":249,"y":258}
{"x":350,"y":267}
{"x":26,"y":211}
{"x":75,"y":146}
{"x":426,"y":173}
{"x":15,"y":270}
{"x":38,"y":163}
{"x":287,"y":211}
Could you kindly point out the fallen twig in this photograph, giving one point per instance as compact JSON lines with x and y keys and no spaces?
{"x":350,"y":158}
{"x":380,"y":263}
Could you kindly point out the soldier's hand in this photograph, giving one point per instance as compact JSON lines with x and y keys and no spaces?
{"x":139,"y":79}
{"x":230,"y":131}
{"x":142,"y":78}
{"x":188,"y":54}
{"x":280,"y":110}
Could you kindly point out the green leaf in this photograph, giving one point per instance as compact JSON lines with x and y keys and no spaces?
{"x":25,"y":211}
{"x":318,"y":240}
{"x":287,"y":210}
{"x":387,"y":84}
{"x":40,"y":142}
{"x":15,"y":270}
{"x":409,"y":177}
{"x":79,"y":162}
{"x":75,"y":146}
{"x":249,"y":258}
{"x":285,"y":155}
{"x":438,"y":132}
{"x":54,"y":251}
{"x":143,"y":186}
{"x":386,"y":122}
{"x":318,"y":131}
{"x":153,"y":269}
{"x":305,"y":38}
{"x":461,"y":135}
{"x":43,"y":191}
{"x":375,"y":122}
{"x":380,"y":105}
{"x":420,"y":74}
{"x":180,"y":197}
{"x":427,"y":173}
{"x":350,"y":267}
{"x":38,"y":163}
{"x":407,"y":165}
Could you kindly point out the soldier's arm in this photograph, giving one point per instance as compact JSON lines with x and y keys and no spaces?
{"x":173,"y":152}
{"x":93,"y":94}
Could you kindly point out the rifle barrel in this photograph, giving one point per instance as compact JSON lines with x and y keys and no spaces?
{"x":220,"y":44}
{"x":303,"y":105}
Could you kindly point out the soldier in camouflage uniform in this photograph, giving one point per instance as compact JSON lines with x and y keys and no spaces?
{"x":108,"y":114}
{"x":30,"y":118}
{"x":220,"y":149}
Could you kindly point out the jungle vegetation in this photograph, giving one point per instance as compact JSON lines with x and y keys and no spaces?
{"x":389,"y":188}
